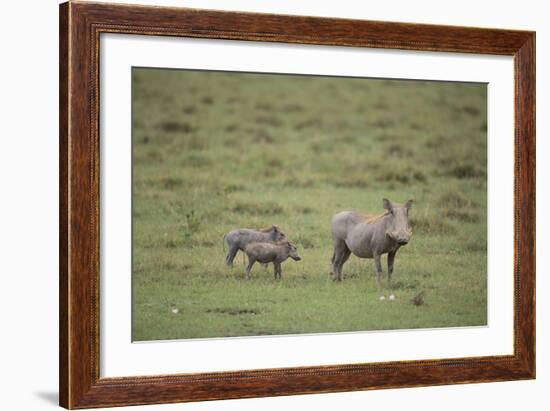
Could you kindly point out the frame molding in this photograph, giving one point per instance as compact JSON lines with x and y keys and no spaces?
{"x":80,"y":25}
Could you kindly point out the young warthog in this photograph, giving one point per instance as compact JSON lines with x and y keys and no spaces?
{"x":240,"y":238}
{"x":369,"y":236}
{"x":274,"y":253}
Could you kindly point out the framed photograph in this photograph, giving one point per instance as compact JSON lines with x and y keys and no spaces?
{"x":259,"y":205}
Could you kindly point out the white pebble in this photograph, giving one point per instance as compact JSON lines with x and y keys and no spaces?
{"x":392,"y":297}
{"x":382,"y":298}
{"x":175,"y":310}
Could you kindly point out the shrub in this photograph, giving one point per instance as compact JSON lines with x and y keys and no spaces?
{"x":175,"y":127}
{"x":258,"y":209}
{"x":453,"y":199}
{"x":462,"y":216}
{"x":171,"y":183}
{"x":466,"y":171}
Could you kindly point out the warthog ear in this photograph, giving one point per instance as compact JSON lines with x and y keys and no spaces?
{"x":387,"y":204}
{"x":409,"y":204}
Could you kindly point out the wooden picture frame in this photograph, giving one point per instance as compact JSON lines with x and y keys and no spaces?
{"x":80,"y":27}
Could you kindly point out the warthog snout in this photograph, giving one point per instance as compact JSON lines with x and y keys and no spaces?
{"x":400,"y":238}
{"x":402,"y":241}
{"x":293,"y":252}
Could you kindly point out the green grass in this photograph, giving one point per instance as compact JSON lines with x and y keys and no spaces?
{"x":217,"y":151}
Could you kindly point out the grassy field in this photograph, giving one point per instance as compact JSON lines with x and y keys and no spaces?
{"x":217,"y":151}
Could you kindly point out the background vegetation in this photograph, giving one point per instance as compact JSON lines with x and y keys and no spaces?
{"x":217,"y":151}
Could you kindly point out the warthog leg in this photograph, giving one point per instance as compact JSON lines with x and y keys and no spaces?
{"x":343,"y":259}
{"x":277,"y":270}
{"x":231,"y":255}
{"x":391,"y":259}
{"x":340,"y":256}
{"x":378,"y":266}
{"x":251,"y":262}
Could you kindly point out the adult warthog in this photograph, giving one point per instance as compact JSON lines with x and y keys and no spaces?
{"x":238,"y":239}
{"x":370,"y":236}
